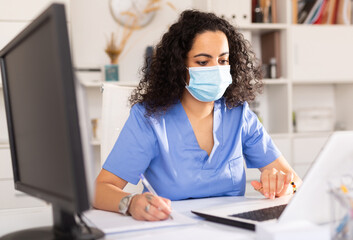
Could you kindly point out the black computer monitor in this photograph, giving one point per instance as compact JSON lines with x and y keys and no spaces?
{"x":46,"y":143}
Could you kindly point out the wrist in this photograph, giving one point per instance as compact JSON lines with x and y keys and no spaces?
{"x":124,"y":204}
{"x":130,"y":204}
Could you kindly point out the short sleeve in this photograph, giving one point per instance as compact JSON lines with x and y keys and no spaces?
{"x":259,"y":149}
{"x":134,"y":148}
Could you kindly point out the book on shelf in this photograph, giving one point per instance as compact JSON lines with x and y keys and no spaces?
{"x":323,"y":15}
{"x":338,"y":12}
{"x":264,"y":11}
{"x":270,"y":48}
{"x":274,"y":11}
{"x":315,"y":12}
{"x":294,"y":11}
{"x":304,"y":8}
{"x":331,"y":18}
{"x":321,"y":11}
{"x":344,"y":12}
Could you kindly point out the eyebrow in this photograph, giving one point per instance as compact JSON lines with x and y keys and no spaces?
{"x":208,"y":55}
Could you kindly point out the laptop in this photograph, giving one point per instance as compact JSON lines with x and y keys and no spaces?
{"x":312,"y":200}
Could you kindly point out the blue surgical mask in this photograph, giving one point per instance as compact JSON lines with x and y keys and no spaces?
{"x":208,"y":84}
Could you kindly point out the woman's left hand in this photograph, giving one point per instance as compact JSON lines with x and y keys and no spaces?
{"x":274,"y":183}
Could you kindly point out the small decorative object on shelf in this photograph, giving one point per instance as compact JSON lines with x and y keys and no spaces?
{"x":258,"y":15}
{"x":131,"y":15}
{"x":148,"y":56}
{"x":273,"y":68}
{"x":264,"y":11}
{"x":95,"y":122}
{"x":111,"y":71}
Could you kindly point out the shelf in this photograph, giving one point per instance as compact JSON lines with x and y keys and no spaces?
{"x":268,"y":81}
{"x":95,"y":143}
{"x":96,"y":84}
{"x":92,"y":83}
{"x":328,"y":81}
{"x":279,"y":135}
{"x":4,"y":145}
{"x":312,"y":134}
{"x":301,"y":134}
{"x":328,"y":26}
{"x":264,"y":27}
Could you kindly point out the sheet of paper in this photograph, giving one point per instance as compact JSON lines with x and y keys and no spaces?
{"x":110,"y":222}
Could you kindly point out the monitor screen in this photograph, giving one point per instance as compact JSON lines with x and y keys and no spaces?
{"x":43,"y":118}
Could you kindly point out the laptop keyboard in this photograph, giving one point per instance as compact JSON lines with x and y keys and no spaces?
{"x":262,"y":214}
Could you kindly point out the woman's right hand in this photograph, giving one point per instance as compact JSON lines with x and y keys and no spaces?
{"x":149,"y":207}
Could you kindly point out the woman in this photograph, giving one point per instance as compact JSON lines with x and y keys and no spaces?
{"x":190,"y":128}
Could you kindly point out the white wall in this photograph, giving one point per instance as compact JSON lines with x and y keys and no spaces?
{"x":92,"y":24}
{"x":89,"y":24}
{"x":14,"y":16}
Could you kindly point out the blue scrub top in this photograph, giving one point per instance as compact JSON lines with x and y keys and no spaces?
{"x":165,"y":149}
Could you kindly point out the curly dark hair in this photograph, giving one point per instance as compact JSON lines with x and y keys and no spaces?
{"x":164,"y":75}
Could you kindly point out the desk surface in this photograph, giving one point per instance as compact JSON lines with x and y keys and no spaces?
{"x":12,"y":220}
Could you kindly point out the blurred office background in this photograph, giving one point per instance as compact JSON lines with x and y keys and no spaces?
{"x":305,"y":46}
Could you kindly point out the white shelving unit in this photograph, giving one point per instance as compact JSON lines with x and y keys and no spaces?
{"x":317,"y":72}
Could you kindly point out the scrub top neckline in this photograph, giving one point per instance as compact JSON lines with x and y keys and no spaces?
{"x":216,"y":117}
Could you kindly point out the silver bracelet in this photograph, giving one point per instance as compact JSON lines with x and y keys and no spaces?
{"x":125,"y":204}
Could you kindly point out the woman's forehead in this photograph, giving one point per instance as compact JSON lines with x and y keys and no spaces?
{"x":210,"y":42}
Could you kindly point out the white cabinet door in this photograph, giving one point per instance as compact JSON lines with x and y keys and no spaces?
{"x":305,"y":151}
{"x":322,"y":53}
{"x":11,"y":198}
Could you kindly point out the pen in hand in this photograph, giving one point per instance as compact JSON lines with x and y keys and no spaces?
{"x":149,"y":188}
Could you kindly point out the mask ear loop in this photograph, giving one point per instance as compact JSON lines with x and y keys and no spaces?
{"x":186,"y":85}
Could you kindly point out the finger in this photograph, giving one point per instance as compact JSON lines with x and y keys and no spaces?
{"x":147,"y":216}
{"x":280,"y":182}
{"x":160,"y":204}
{"x":265,"y":183}
{"x":140,"y":211}
{"x":257,"y":186}
{"x":167,"y":201}
{"x":156,"y":213}
{"x":273,"y":184}
{"x":288,"y":180}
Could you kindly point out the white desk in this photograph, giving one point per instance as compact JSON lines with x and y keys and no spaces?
{"x":12,"y":220}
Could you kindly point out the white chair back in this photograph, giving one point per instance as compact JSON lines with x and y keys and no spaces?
{"x":115,"y":112}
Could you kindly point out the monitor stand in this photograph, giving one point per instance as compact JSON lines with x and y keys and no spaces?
{"x":65,"y":227}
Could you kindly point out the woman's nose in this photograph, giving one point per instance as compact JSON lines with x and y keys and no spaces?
{"x":214,"y":63}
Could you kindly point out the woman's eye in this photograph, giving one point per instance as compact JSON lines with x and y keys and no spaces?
{"x":202,"y":63}
{"x":224,"y":61}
